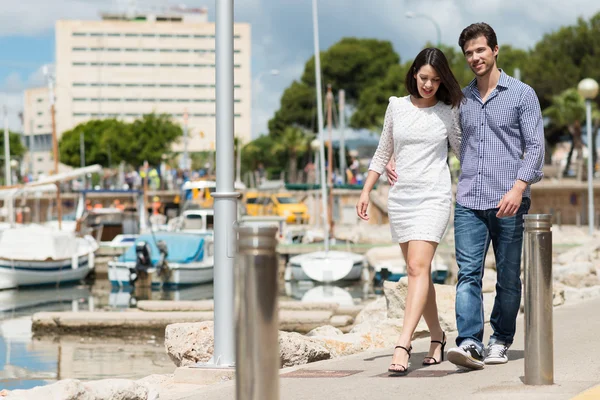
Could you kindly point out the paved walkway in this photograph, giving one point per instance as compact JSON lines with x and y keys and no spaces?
{"x":576,"y":371}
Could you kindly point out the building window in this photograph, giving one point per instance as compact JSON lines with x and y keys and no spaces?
{"x":149,"y":50}
{"x":79,"y":49}
{"x":132,"y":35}
{"x":96,"y":34}
{"x":39,"y":99}
{"x":79,"y":34}
{"x":148,"y":35}
{"x":79,"y":64}
{"x":132,"y":50}
{"x":114,"y":49}
{"x":183,"y":36}
{"x":114,"y":34}
{"x":164,"y":35}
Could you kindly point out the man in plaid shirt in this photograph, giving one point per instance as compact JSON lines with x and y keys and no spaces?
{"x":501,"y":155}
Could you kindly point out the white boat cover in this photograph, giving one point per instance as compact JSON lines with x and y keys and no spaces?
{"x":40,"y":243}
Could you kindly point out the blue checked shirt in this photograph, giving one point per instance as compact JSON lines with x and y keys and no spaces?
{"x":502,"y":141}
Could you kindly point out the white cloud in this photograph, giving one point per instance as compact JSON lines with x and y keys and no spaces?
{"x":282,"y":30}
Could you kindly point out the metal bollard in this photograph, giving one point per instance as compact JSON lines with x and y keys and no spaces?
{"x":539,"y":347}
{"x":257,"y":327}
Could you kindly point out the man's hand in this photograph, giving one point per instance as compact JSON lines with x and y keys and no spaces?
{"x":362,"y":205}
{"x":390,"y":170}
{"x":510,"y":203}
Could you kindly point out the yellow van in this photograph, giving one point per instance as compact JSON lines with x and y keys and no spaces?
{"x":280,"y":204}
{"x":202,"y":190}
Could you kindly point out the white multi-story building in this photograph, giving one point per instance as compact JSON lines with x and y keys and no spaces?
{"x":127,"y":66}
{"x":37,"y":128}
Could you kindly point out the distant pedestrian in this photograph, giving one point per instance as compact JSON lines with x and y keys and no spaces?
{"x":416,"y":132}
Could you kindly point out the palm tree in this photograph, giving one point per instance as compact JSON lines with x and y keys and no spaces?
{"x":567,"y":111}
{"x":294,"y":142}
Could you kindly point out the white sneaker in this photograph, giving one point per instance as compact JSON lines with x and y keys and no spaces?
{"x":496,"y":354}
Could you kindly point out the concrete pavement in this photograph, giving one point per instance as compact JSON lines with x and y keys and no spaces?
{"x":363,"y":376}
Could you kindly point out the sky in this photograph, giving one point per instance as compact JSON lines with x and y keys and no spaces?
{"x":282,"y":34}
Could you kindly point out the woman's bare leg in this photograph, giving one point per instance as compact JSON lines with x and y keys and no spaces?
{"x":418,"y":255}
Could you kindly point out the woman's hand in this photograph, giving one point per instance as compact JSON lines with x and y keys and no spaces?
{"x":390,"y":170}
{"x":362,"y":205}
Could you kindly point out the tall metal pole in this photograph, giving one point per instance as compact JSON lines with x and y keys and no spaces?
{"x":238,"y":162}
{"x":185,"y":140}
{"x":539,"y":334}
{"x":7,"y":180}
{"x":342,"y":127}
{"x":330,"y":158}
{"x":590,"y":165}
{"x":320,"y":121}
{"x":31,"y":148}
{"x":225,"y":197}
{"x":82,"y":155}
{"x":54,"y":144}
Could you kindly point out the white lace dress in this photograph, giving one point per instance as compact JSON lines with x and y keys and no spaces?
{"x":420,"y":201}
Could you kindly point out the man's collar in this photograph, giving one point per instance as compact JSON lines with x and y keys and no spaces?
{"x":503,"y":81}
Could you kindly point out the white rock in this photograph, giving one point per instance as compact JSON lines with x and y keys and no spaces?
{"x":588,"y":251}
{"x":489,"y":280}
{"x":296,"y":349}
{"x":326,"y":330}
{"x":573,"y":295}
{"x":395,"y":296}
{"x":119,"y":389}
{"x":374,"y":311}
{"x":68,"y":389}
{"x":189,"y":343}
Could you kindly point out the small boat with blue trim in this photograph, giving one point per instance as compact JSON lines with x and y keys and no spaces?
{"x":36,"y":255}
{"x":170,"y":259}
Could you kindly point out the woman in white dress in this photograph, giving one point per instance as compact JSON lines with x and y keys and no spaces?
{"x":416,"y":132}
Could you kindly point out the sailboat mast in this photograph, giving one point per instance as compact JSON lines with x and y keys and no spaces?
{"x":54,"y":142}
{"x":320,"y":119}
{"x":330,"y":159}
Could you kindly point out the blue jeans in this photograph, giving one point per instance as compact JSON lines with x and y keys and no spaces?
{"x":473,"y":231}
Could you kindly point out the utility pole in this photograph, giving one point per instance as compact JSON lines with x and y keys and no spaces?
{"x":7,"y":174}
{"x":50,"y":79}
{"x":185,"y":140}
{"x":330,"y":158}
{"x":342,"y":126}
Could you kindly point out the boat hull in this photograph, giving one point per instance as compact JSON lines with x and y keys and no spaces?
{"x":194,"y":273}
{"x":25,"y":273}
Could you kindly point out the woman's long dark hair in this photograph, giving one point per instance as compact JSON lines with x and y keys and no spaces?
{"x":449,"y":91}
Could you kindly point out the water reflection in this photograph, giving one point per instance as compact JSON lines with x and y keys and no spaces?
{"x":28,"y":361}
{"x":341,"y":293}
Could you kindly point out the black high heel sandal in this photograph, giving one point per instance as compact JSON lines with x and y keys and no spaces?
{"x":443,"y":343}
{"x":405,"y":370}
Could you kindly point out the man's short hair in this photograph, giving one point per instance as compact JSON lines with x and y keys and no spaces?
{"x":474,"y":31}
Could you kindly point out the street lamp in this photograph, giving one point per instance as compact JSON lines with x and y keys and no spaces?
{"x":411,"y":14}
{"x":588,"y":89}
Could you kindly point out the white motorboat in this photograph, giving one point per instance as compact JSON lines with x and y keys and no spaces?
{"x":327,"y":266}
{"x":189,"y":260}
{"x":36,"y":255}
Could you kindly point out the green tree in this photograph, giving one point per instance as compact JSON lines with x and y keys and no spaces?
{"x":294,"y":142}
{"x":562,"y":58}
{"x":567,"y":112}
{"x":351,"y":64}
{"x":94,"y":137}
{"x":147,"y":139}
{"x":17,"y":149}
